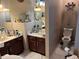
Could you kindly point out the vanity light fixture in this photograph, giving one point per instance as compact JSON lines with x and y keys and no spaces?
{"x":1,"y":6}
{"x":42,"y":3}
{"x":2,"y":9}
{"x":5,"y":9}
{"x":37,"y":9}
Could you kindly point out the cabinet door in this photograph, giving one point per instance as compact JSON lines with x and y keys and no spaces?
{"x":15,"y":46}
{"x":41,"y":46}
{"x":32,"y":43}
{"x":3,"y":51}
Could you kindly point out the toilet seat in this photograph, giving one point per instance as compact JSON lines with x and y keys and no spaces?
{"x":66,"y":37}
{"x":65,"y":41}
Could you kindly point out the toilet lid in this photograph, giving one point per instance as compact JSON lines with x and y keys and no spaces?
{"x":11,"y":57}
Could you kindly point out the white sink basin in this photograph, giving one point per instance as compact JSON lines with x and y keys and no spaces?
{"x":41,"y":34}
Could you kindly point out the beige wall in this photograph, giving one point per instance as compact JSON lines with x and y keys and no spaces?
{"x":53,"y":22}
{"x":77,"y":35}
{"x":47,"y":28}
{"x":15,"y":7}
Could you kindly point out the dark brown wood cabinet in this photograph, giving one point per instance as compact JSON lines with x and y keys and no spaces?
{"x":37,"y":44}
{"x":14,"y":46}
{"x":3,"y":51}
{"x":32,"y":43}
{"x":41,"y":45}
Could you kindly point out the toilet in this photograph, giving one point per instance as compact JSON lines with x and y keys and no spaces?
{"x":66,"y":36}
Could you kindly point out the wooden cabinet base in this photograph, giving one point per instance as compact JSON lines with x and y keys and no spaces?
{"x":3,"y":51}
{"x":13,"y":47}
{"x":36,"y":44}
{"x":41,"y":46}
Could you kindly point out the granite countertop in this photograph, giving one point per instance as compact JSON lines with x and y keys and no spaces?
{"x":40,"y":34}
{"x":8,"y":38}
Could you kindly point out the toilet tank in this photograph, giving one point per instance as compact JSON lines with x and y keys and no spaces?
{"x":68,"y":32}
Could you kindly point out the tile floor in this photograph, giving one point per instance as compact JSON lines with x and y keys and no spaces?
{"x":58,"y":54}
{"x":32,"y":55}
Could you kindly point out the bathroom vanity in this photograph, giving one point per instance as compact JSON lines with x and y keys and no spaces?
{"x":36,"y":43}
{"x":12,"y":45}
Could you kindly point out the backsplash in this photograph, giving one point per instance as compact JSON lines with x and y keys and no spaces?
{"x":34,"y":26}
{"x":11,"y":27}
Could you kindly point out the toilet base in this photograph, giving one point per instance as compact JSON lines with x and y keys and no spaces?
{"x":64,"y":43}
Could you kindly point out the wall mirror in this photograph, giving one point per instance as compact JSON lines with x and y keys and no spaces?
{"x":5,"y":15}
{"x":39,"y":9}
